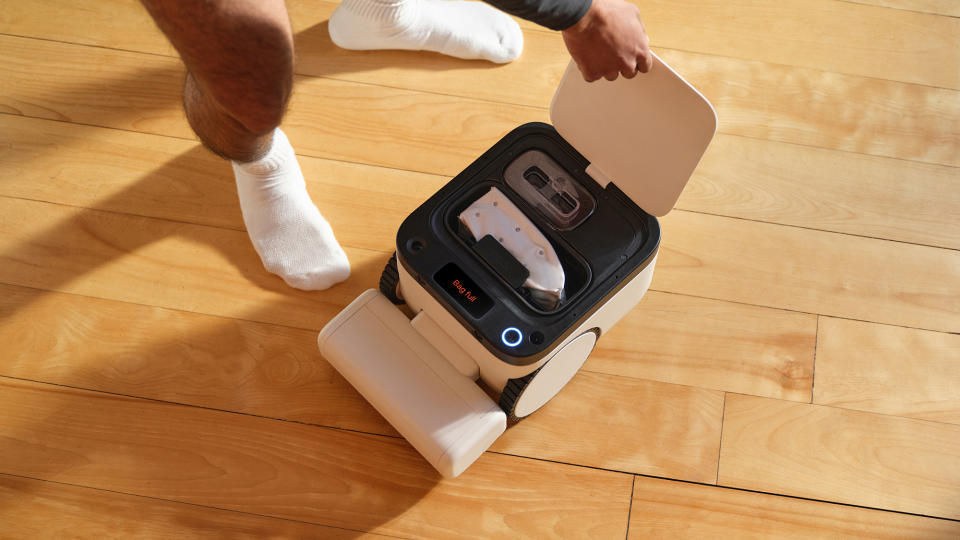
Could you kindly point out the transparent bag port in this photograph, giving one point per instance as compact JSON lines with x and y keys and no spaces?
{"x":547,"y":186}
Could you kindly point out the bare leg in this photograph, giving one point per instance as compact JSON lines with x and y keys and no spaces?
{"x":239,"y":58}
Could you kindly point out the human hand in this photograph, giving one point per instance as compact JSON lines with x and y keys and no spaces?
{"x":609,"y":40}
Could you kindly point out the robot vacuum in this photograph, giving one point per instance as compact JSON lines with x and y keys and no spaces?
{"x":509,"y":274}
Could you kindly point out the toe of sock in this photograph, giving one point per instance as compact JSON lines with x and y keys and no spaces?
{"x":318,"y":280}
{"x":511,"y":43}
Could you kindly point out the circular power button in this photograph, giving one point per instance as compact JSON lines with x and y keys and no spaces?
{"x":511,"y":336}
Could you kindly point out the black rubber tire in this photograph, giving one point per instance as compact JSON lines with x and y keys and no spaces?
{"x":390,"y":281}
{"x":514,"y":388}
{"x":511,"y":395}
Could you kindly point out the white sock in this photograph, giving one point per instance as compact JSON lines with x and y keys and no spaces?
{"x":456,"y":28}
{"x":292,"y":238}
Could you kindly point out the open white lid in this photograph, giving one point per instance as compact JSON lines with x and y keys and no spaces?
{"x":645,"y":134}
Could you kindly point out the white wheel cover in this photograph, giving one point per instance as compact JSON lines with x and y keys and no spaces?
{"x":555,"y":374}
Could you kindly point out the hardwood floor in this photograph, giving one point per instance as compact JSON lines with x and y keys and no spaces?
{"x":793,"y":372}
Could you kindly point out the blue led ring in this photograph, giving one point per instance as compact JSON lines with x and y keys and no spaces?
{"x":508,"y":342}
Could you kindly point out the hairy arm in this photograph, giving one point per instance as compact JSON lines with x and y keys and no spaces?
{"x":605,"y":37}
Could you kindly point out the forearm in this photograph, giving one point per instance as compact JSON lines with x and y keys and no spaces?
{"x":554,"y":14}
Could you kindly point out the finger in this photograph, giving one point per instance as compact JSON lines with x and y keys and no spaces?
{"x":588,"y":76}
{"x":630,"y":70}
{"x":645,"y":63}
{"x":611,"y":76}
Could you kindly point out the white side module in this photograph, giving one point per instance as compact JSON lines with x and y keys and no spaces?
{"x":445,"y":345}
{"x":441,"y":412}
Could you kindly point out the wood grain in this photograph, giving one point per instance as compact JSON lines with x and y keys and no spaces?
{"x":163,"y":263}
{"x":827,"y":109}
{"x":830,"y":194}
{"x":651,"y":428}
{"x":739,"y":177}
{"x":840,"y":455}
{"x":94,"y":86}
{"x":753,"y":99}
{"x":293,"y":471}
{"x":898,"y":371}
{"x":809,"y":271}
{"x":827,"y":190}
{"x":941,"y":7}
{"x":830,"y":35}
{"x":178,"y":180}
{"x":277,"y":372}
{"x":37,"y":509}
{"x":146,"y":351}
{"x":712,"y":344}
{"x":675,"y":510}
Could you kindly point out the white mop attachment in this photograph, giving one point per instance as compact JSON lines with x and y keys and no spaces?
{"x":496,"y":215}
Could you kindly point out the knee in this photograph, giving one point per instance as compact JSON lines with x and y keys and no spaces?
{"x":257,"y":101}
{"x":254,"y":86}
{"x":238,"y":52}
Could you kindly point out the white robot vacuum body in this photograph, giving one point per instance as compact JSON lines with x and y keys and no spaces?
{"x":510,"y":273}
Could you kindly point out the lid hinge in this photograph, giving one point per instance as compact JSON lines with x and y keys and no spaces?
{"x":597,"y":175}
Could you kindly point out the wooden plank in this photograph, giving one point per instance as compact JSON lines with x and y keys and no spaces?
{"x":809,"y":271}
{"x":294,"y":471}
{"x":157,"y":262}
{"x":674,"y":510}
{"x":828,"y":35}
{"x":712,"y":344}
{"x":88,"y":85}
{"x":888,"y":370}
{"x":277,"y":372}
{"x":840,"y":455}
{"x":828,"y":110}
{"x":113,"y":24}
{"x":37,"y":509}
{"x":652,"y":428}
{"x":739,"y":177}
{"x":342,"y":119}
{"x":176,"y":356}
{"x":178,"y":180}
{"x":940,"y":7}
{"x":752,"y":99}
{"x":832,"y":191}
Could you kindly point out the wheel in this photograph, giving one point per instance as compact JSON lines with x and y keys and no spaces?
{"x":521,"y":397}
{"x":390,"y":281}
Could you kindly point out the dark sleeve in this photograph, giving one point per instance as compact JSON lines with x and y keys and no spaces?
{"x":554,"y":14}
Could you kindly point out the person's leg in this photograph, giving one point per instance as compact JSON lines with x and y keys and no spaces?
{"x":239,"y":58}
{"x":456,"y":28}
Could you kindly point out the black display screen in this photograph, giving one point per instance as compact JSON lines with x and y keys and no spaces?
{"x":464,"y":290}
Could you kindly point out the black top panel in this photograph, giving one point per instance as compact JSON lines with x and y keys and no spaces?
{"x":599,"y":255}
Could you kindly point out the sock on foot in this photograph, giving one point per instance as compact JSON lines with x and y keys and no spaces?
{"x":292,"y":238}
{"x":455,"y":28}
